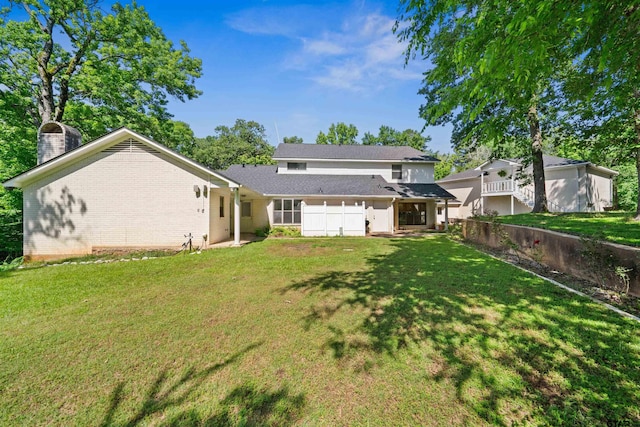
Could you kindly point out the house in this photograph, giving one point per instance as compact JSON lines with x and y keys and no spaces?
{"x":506,"y":187}
{"x":340,"y":189}
{"x":124,"y":190}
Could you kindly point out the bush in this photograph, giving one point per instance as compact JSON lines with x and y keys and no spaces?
{"x":11,"y":265}
{"x":10,"y":233}
{"x":263,"y":232}
{"x":285,"y":232}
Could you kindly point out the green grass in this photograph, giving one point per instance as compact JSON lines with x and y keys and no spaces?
{"x":617,"y":227}
{"x":412,"y":331}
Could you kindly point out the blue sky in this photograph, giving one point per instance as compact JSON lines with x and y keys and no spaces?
{"x":296,"y":66}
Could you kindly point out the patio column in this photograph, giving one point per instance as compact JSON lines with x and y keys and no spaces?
{"x":236,"y":217}
{"x":512,"y":204}
{"x":446,"y":214}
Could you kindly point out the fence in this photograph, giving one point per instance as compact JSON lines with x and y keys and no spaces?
{"x":333,"y":220}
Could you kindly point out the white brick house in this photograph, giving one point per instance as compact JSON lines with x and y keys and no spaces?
{"x":124,"y":190}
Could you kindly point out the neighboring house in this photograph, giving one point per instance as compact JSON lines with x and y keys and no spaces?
{"x":505,"y":187}
{"x":124,"y":190}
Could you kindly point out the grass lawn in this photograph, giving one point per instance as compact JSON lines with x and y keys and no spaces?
{"x":617,"y":227}
{"x":412,"y":331}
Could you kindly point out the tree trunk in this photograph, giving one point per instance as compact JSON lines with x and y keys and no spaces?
{"x":636,"y":126}
{"x":540,"y":190}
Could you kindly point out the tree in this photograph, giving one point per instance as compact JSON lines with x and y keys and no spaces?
{"x":341,"y":134}
{"x":389,"y":136}
{"x":70,"y":61}
{"x":604,"y":83}
{"x":243,"y":143}
{"x":292,"y":140}
{"x":495,"y":68}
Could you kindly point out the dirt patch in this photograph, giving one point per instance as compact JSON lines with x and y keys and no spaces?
{"x":297,"y":249}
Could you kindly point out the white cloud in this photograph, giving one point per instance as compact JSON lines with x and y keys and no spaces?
{"x":356,"y":51}
{"x":323,"y":47}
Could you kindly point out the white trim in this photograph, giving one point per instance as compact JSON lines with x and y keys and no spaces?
{"x":313,"y":159}
{"x":348,"y":196}
{"x":98,"y":145}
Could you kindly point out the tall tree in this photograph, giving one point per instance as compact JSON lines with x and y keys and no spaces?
{"x":292,"y":140}
{"x":390,"y":136}
{"x":495,"y":65}
{"x":243,"y":143}
{"x":340,"y":134}
{"x":604,"y":84}
{"x":71,"y":61}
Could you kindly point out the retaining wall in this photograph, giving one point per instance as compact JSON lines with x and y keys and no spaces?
{"x":589,"y":259}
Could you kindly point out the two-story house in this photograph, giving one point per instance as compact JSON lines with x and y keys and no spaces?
{"x":124,"y":190}
{"x":340,"y":190}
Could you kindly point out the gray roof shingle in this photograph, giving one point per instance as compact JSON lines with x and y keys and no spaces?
{"x":265,"y":180}
{"x":350,"y":152}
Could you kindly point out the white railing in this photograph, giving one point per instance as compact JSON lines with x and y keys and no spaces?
{"x":506,"y":186}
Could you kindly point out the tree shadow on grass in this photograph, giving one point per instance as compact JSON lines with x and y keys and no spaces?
{"x":247,"y":405}
{"x":163,"y":395}
{"x":517,"y":349}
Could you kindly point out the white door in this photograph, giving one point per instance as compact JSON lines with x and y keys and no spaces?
{"x":379,"y":218}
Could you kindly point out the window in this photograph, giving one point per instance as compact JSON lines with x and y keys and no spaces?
{"x":396,"y":171}
{"x":296,"y":166}
{"x":246,"y":209}
{"x":221,"y":206}
{"x":439,"y":211}
{"x":412,"y":214}
{"x":287,"y":211}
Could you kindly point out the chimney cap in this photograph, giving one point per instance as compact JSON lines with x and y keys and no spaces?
{"x":57,"y":127}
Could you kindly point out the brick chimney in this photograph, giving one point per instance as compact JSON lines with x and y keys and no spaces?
{"x":54,"y":139}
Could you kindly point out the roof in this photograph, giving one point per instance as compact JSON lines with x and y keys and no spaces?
{"x":97,"y":145}
{"x":350,"y":152}
{"x":266,"y":180}
{"x":468,"y":174}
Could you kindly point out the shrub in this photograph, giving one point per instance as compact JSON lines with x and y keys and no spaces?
{"x":285,"y":232}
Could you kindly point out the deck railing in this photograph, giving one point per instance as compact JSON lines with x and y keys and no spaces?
{"x":506,"y":186}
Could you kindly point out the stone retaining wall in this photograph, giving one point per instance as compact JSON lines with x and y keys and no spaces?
{"x":606,"y":264}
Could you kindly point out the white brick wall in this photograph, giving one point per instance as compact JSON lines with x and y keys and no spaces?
{"x":130,"y":198}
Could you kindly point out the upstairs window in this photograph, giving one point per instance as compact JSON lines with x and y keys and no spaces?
{"x":396,"y":171}
{"x":293,"y":166}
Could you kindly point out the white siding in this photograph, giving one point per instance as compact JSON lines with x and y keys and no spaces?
{"x":565,"y":188}
{"x":468,"y":193}
{"x":600,"y":190}
{"x":128,"y":198}
{"x":421,"y":173}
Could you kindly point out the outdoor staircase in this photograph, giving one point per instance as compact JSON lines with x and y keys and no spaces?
{"x":523,"y":194}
